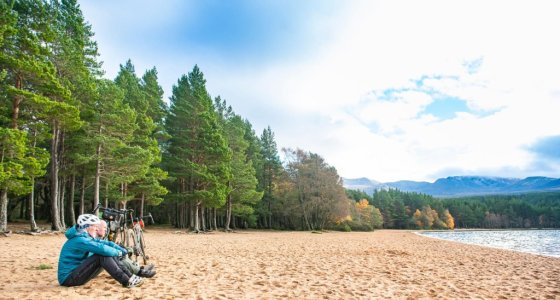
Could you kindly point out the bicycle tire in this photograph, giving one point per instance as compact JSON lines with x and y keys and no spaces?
{"x":131,"y":242}
{"x":120,"y":237}
{"x":142,"y":246}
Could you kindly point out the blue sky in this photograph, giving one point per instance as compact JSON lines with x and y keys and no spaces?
{"x":389,"y":90}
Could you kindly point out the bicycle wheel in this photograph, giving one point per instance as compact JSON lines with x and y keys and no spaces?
{"x":119,"y":237}
{"x":131,"y":243}
{"x":142,"y":246}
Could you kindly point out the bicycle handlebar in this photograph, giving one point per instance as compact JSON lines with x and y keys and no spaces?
{"x":149,"y":216}
{"x":122,"y":211}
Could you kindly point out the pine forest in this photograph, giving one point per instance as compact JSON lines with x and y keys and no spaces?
{"x":71,"y":139}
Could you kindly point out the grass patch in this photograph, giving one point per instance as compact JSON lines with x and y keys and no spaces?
{"x":44,"y":267}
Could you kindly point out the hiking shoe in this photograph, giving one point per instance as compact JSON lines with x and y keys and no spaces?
{"x":134,"y":281}
{"x":147,"y":267}
{"x":148,"y":273}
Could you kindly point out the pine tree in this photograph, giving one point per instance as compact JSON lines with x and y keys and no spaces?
{"x":31,"y":82}
{"x":148,"y":186}
{"x":12,"y":146}
{"x":197,"y":154}
{"x":74,"y":54}
{"x":139,"y":182}
{"x":243,"y":195}
{"x":110,"y":128}
{"x":157,"y":109}
{"x":271,"y":166}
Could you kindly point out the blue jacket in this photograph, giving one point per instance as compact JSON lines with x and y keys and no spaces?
{"x":79,"y":246}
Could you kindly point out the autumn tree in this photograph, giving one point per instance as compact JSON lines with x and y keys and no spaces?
{"x":448,"y":219}
{"x":319,"y":189}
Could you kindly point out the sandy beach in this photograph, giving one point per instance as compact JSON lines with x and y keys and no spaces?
{"x":292,"y":265}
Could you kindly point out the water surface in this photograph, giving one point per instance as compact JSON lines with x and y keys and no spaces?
{"x":543,"y":242}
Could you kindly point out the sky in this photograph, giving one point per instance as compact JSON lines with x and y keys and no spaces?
{"x":388,"y":90}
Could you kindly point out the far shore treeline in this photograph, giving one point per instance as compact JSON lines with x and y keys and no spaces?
{"x":70,"y":140}
{"x":407,"y":210}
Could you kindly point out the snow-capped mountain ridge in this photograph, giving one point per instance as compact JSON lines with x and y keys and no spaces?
{"x":460,"y":185}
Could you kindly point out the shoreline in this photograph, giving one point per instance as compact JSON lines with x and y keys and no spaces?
{"x":293,"y":265}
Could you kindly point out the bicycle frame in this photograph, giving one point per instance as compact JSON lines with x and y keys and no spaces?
{"x":120,"y":233}
{"x":116,"y":223}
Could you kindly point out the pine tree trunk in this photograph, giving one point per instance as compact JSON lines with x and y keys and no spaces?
{"x":124,"y":188}
{"x":17,"y":102}
{"x":196,"y":221}
{"x":142,"y":205}
{"x":83,"y":196}
{"x":269,"y":198}
{"x":97,"y":178}
{"x":3,"y":210}
{"x":62,"y":202}
{"x":228,"y":214}
{"x":22,"y":209}
{"x":31,"y":206}
{"x":106,"y":204}
{"x":187,"y":216}
{"x":55,"y":210}
{"x":70,"y":206}
{"x":184,"y":216}
{"x":177,"y":215}
{"x":190,"y":213}
{"x":214,"y":213}
{"x":189,"y":220}
{"x":62,"y":183}
{"x":203,"y":217}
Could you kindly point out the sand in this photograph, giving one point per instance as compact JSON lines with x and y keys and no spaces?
{"x":292,"y":265}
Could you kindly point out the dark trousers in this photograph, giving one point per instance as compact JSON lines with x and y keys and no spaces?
{"x":93,"y":265}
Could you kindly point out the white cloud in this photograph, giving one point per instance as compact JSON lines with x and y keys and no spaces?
{"x":391,"y":115}
{"x":332,"y":101}
{"x":385,"y":47}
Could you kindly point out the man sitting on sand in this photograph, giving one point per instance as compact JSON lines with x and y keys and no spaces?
{"x":83,"y":256}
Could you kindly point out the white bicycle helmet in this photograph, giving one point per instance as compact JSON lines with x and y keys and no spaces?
{"x":86,"y":220}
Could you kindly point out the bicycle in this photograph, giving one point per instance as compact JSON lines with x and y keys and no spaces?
{"x":120,"y":233}
{"x":135,"y":237}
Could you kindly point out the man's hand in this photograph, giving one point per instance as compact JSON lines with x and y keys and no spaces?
{"x":121,"y":255}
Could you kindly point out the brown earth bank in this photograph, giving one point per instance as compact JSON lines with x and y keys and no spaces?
{"x":292,"y":265}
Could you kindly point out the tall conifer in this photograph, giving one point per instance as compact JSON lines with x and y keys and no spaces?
{"x":198,"y":156}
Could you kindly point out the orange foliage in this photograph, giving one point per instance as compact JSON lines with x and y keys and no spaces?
{"x":418,"y":218}
{"x":448,"y":219}
{"x":344,"y":219}
{"x":362,"y":204}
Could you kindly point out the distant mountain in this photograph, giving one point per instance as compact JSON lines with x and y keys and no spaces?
{"x":364,"y":184}
{"x":460,"y":185}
